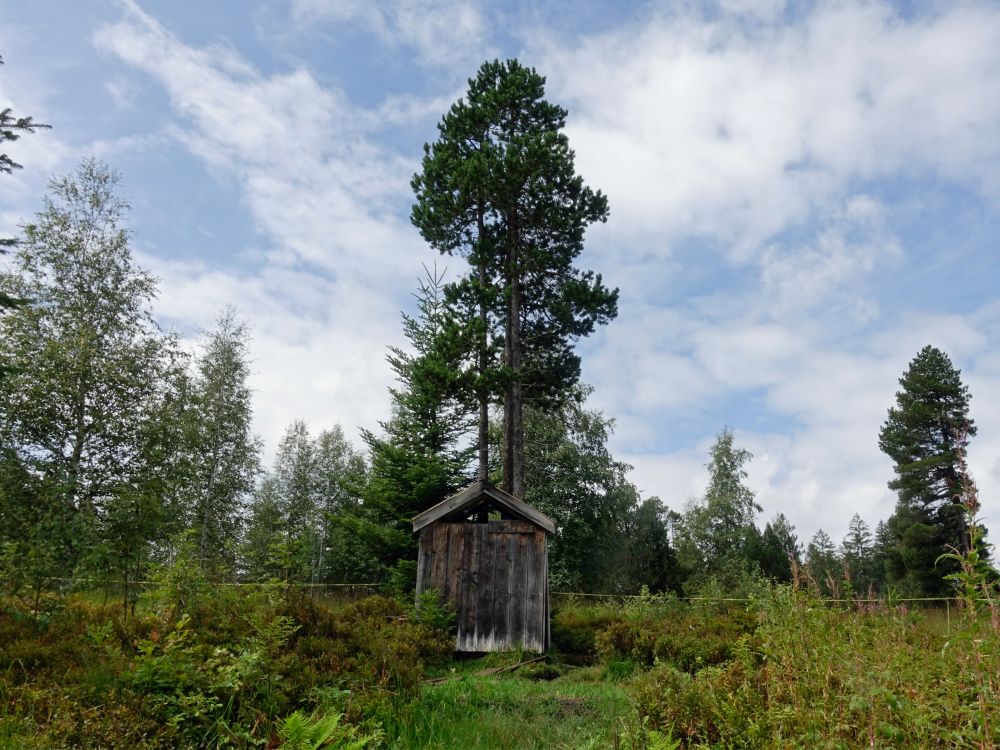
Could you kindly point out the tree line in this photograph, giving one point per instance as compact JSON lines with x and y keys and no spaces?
{"x":121,"y":451}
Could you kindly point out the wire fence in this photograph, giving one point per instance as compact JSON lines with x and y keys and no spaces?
{"x":352,"y":591}
{"x":939,"y":603}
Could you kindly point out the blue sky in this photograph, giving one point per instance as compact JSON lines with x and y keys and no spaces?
{"x":802,"y":196}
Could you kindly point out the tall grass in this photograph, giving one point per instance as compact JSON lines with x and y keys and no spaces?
{"x":816,"y":676}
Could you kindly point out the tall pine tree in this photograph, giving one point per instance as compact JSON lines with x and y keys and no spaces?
{"x":11,"y":129}
{"x":925,"y":434}
{"x":499,"y":187}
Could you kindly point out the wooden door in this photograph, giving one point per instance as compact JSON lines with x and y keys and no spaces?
{"x":496,"y":575}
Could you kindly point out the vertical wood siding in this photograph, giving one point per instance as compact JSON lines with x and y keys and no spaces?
{"x":496,"y":575}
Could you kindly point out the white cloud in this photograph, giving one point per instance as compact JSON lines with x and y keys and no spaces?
{"x":338,"y":259}
{"x":767,"y":10}
{"x":709,"y":127}
{"x":754,"y":137}
{"x":441,"y":32}
{"x":314,"y":356}
{"x":832,"y":271}
{"x":759,"y":139}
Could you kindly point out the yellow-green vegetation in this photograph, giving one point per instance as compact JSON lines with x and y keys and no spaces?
{"x":231,"y":670}
{"x":207,"y":667}
{"x":573,"y":710}
{"x":812,"y":676}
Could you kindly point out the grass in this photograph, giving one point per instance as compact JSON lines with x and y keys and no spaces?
{"x":576,"y":710}
{"x":252,"y":670}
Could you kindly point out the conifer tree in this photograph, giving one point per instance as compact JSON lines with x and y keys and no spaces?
{"x":422,"y":454}
{"x":925,"y":434}
{"x":499,"y":187}
{"x":651,"y":559}
{"x":11,"y":129}
{"x":778,"y":548}
{"x":857,"y":553}
{"x":822,"y":561}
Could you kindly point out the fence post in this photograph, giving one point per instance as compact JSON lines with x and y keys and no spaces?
{"x":947,"y":607}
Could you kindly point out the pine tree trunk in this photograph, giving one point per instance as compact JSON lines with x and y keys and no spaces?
{"x":516,"y":401}
{"x":513,"y":465}
{"x":484,"y":396}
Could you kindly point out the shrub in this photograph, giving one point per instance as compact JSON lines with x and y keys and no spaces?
{"x":815,"y":676}
{"x":575,"y":628}
{"x":689,"y":638}
{"x":215,"y":672}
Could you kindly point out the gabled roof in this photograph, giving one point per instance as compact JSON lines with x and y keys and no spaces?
{"x":476,"y":494}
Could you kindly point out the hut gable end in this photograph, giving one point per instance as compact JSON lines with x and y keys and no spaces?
{"x":482,"y":493}
{"x":494,"y":571}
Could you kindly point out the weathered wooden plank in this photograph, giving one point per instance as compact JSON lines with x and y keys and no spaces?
{"x":545,"y":604}
{"x":421,"y":561}
{"x":534,"y":627}
{"x":501,"y":592}
{"x":427,"y":541}
{"x":482,"y":631}
{"x":470,"y":582}
{"x":519,"y":589}
{"x":439,"y":574}
{"x":511,"y":595}
{"x":453,"y":573}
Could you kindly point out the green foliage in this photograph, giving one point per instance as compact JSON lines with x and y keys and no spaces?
{"x":223,"y":454}
{"x":816,"y":676}
{"x":776,"y":549}
{"x":221,"y":674}
{"x":925,"y":434}
{"x":605,"y":539}
{"x":499,"y":187}
{"x":575,"y":625}
{"x":688,"y":637}
{"x":297,"y":530}
{"x":423,"y":454}
{"x":299,"y":732}
{"x":341,"y":473}
{"x":435,"y":612}
{"x":718,"y":537}
{"x":979,"y":637}
{"x":824,"y":564}
{"x":88,"y":410}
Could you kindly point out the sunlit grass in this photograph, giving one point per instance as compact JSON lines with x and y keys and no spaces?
{"x":514,"y":713}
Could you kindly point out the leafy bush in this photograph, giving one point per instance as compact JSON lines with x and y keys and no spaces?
{"x":687,"y":637}
{"x":815,"y":676}
{"x":575,"y":627}
{"x":211,"y":671}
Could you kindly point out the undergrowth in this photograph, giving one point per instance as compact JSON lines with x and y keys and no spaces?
{"x":816,"y":676}
{"x":232,"y":670}
{"x":216,"y":667}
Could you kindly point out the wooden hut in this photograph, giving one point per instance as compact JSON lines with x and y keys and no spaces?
{"x":487,"y":553}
